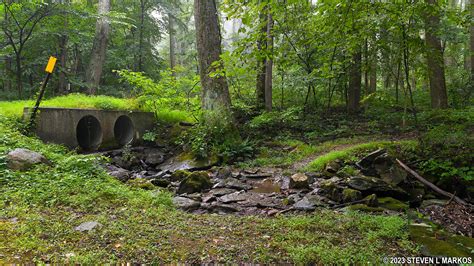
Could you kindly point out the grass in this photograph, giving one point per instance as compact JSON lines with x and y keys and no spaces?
{"x":15,"y":108}
{"x":39,"y":209}
{"x":287,"y":152}
{"x":349,"y":154}
{"x":76,"y":100}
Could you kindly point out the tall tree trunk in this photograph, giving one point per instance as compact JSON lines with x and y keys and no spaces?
{"x":366,"y":67}
{"x":261,"y":61}
{"x":434,"y":54}
{"x":63,"y":62}
{"x":99,"y":47}
{"x":471,"y":50}
{"x":140,"y":37}
{"x":373,"y":66}
{"x":63,"y":54}
{"x":172,"y":36}
{"x":269,"y":65}
{"x":19,"y":74}
{"x":7,"y":83}
{"x":215,"y":93}
{"x":63,"y":42}
{"x":355,"y":83}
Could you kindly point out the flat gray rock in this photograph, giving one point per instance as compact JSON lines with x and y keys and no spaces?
{"x":185,"y":203}
{"x":87,"y":226}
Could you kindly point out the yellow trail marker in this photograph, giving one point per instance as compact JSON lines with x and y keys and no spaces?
{"x":49,"y":69}
{"x":51,"y":62}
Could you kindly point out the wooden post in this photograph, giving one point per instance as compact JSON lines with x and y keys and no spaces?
{"x":49,"y":70}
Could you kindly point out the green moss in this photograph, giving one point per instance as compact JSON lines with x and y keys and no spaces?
{"x":439,"y":243}
{"x":195,"y":182}
{"x":141,"y":183}
{"x":350,"y":153}
{"x":179,"y":175}
{"x":392,"y":204}
{"x":365,"y":208}
{"x":350,"y":195}
{"x":371,"y":200}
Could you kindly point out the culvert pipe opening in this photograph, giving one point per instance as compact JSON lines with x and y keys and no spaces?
{"x":124,"y":130}
{"x":89,"y":133}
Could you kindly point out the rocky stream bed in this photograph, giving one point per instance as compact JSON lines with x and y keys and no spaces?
{"x":375,"y":184}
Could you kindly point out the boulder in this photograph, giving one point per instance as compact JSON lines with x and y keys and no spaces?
{"x":195,"y":182}
{"x":186,"y":161}
{"x":371,"y":200}
{"x":234,"y":197}
{"x":333,"y":166}
{"x":370,"y":185}
{"x":154,"y":158}
{"x":179,"y":175}
{"x":299,"y":181}
{"x":160,"y":182}
{"x":23,"y":159}
{"x":185,"y":203}
{"x":119,"y":173}
{"x":141,"y":183}
{"x":388,"y":170}
{"x":392,"y":204}
{"x":431,"y":202}
{"x":350,"y":195}
{"x":308,"y":203}
{"x":331,"y":190}
{"x":368,"y":160}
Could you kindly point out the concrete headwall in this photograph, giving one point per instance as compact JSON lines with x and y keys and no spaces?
{"x":89,"y":129}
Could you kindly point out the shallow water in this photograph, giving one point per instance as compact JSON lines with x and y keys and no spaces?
{"x":266,"y":186}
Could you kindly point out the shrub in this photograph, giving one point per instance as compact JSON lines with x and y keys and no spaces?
{"x":447,"y":152}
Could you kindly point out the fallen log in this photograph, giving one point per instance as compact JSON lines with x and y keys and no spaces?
{"x":431,"y":185}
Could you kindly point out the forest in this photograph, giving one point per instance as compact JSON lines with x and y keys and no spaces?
{"x":237,"y":131}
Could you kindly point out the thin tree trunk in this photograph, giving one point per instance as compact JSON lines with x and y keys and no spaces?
{"x":140,"y":40}
{"x":471,"y":29}
{"x":19,"y":74}
{"x":172,"y":43}
{"x":355,"y":83}
{"x":373,"y":66}
{"x":8,"y":70}
{"x":215,"y":92}
{"x":261,"y":62}
{"x":269,"y":66}
{"x":99,"y":47}
{"x":63,"y":61}
{"x":434,"y":53}
{"x":366,"y":67}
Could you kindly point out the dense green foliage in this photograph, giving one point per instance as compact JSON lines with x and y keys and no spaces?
{"x":293,"y":85}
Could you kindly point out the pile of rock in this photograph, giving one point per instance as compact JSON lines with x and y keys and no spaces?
{"x":375,"y":183}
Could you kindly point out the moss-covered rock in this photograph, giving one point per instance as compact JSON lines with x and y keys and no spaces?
{"x":392,"y":204}
{"x":350,"y":195}
{"x":195,"y":182}
{"x":364,"y":208}
{"x":331,"y":190}
{"x":179,"y":175}
{"x":141,"y":183}
{"x":371,"y":200}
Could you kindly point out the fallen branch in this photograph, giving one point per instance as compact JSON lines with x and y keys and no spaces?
{"x":431,"y":185}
